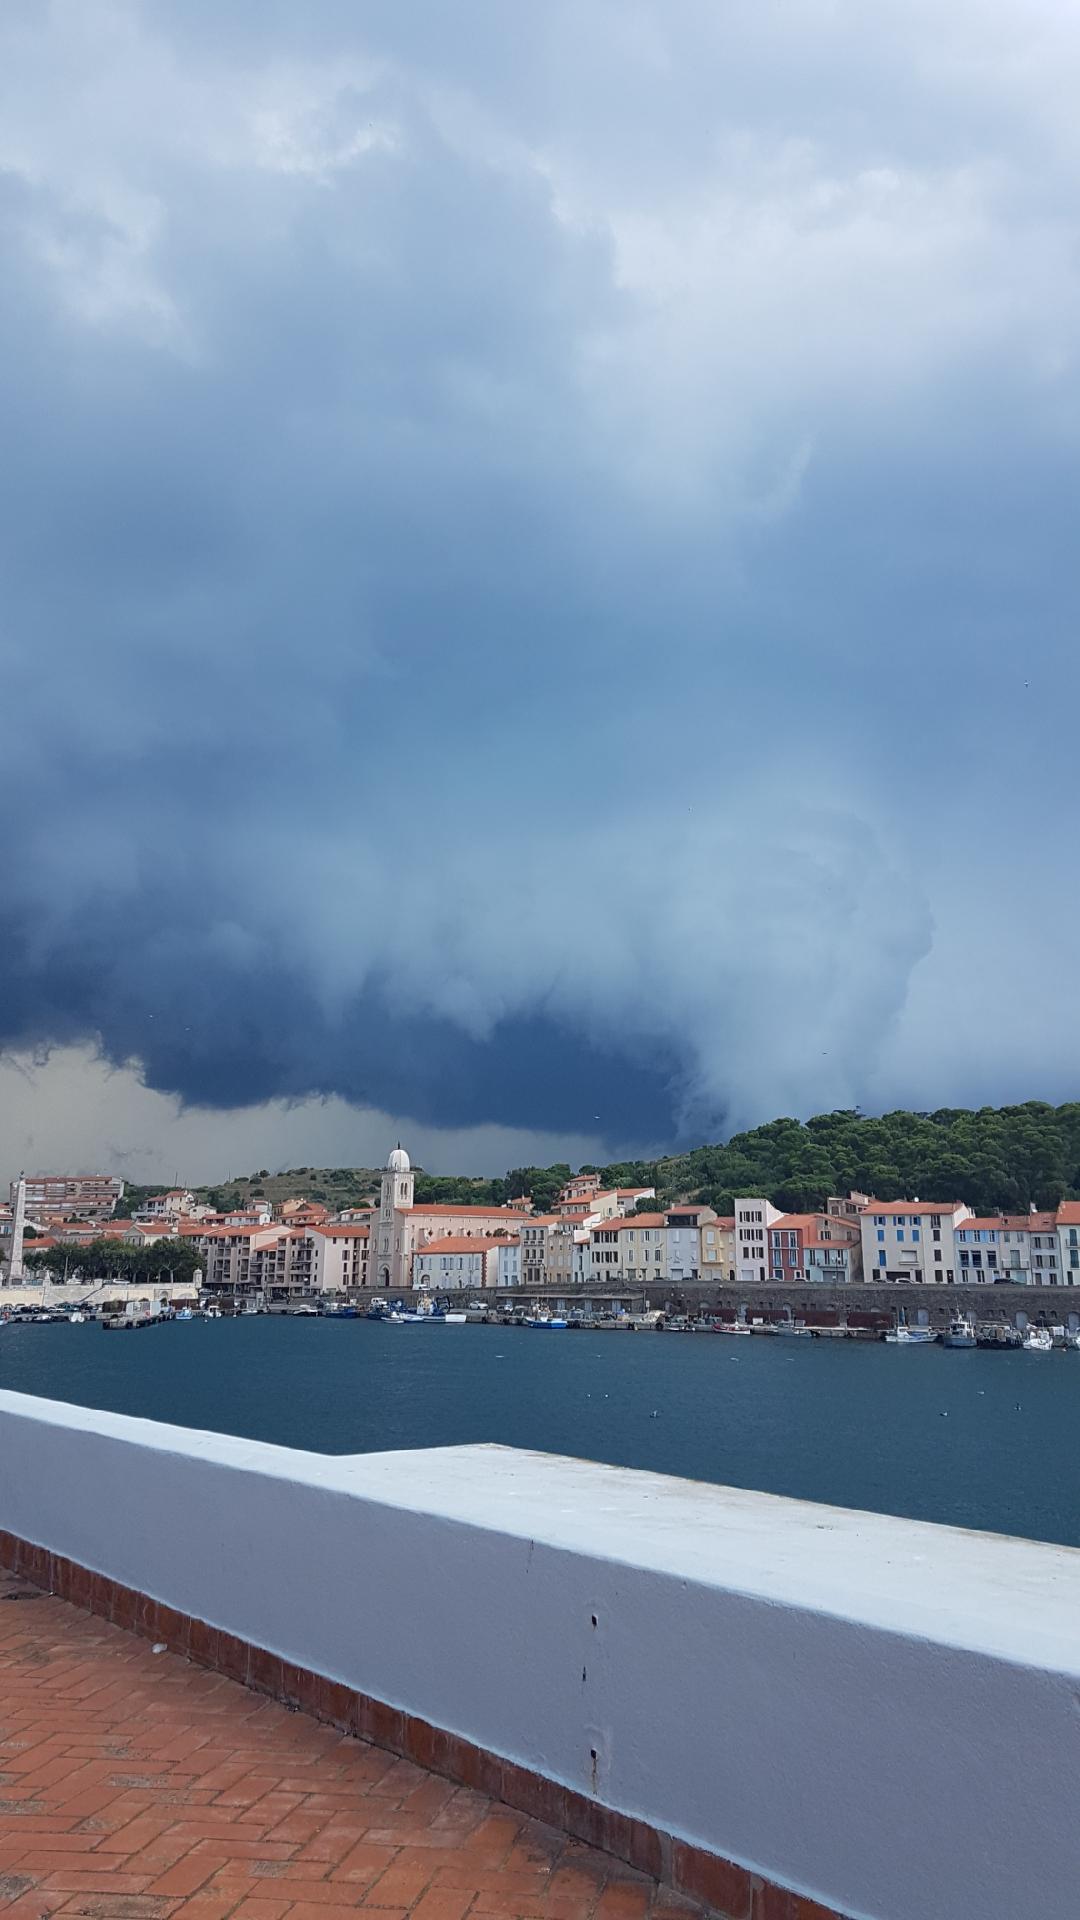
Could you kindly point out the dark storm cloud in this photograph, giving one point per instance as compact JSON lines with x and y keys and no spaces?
{"x":536,"y":565}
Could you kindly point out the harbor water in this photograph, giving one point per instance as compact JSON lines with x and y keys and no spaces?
{"x":974,"y":1439}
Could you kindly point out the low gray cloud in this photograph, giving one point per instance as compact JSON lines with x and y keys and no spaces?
{"x":536,"y":574}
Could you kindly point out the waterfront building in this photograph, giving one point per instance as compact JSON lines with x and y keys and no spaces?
{"x":508,"y":1263}
{"x":831,"y":1256}
{"x":84,"y":1196}
{"x":912,"y":1242}
{"x":235,"y":1260}
{"x":403,"y":1229}
{"x":633,"y":1249}
{"x":718,"y":1250}
{"x":537,"y":1241}
{"x":1068,"y":1233}
{"x":822,"y":1247}
{"x":684,"y":1227}
{"x":340,"y":1248}
{"x":753,"y":1218}
{"x":457,"y":1263}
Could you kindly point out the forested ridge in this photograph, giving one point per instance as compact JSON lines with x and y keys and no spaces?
{"x":995,"y":1158}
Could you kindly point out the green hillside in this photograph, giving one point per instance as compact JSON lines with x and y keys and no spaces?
{"x":992,"y":1157}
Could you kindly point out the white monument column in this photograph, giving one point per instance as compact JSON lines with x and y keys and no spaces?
{"x":16,"y":1268}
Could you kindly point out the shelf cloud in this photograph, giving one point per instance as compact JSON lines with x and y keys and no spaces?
{"x":538,"y":575}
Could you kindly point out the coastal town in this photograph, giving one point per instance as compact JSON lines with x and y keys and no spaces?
{"x":593,"y":1238}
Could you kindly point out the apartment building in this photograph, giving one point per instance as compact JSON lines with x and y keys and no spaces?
{"x":753,"y":1219}
{"x":633,"y":1249}
{"x":537,"y":1233}
{"x":1068,"y":1232}
{"x":913,"y":1241}
{"x":77,"y":1196}
{"x":684,"y":1229}
{"x":821,"y":1247}
{"x":508,"y":1263}
{"x":718,"y":1250}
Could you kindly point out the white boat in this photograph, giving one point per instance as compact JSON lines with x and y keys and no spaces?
{"x":185,"y":1313}
{"x":910,"y":1337}
{"x":961,"y":1332}
{"x":77,"y":1319}
{"x":1038,"y":1340}
{"x":455,"y":1319}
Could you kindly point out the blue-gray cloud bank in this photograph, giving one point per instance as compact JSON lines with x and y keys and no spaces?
{"x":537,"y":568}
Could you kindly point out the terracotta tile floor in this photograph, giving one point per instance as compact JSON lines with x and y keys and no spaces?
{"x":134,"y":1786}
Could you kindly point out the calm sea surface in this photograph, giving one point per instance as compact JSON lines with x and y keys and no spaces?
{"x":975,"y":1439}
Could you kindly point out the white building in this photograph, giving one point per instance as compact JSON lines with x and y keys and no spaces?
{"x":913,"y":1241}
{"x":1068,"y":1232}
{"x":457,"y":1263}
{"x":753,"y":1218}
{"x":508,"y":1266}
{"x":168,"y":1206}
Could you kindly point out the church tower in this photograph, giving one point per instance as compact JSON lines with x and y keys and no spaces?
{"x":396,"y":1197}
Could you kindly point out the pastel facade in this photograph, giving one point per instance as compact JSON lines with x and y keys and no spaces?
{"x":753,"y":1218}
{"x":634,"y":1249}
{"x":913,"y":1242}
{"x":718,"y":1250}
{"x":684,"y":1230}
{"x":815,"y":1247}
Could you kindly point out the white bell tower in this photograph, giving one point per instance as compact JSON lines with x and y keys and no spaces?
{"x":392,"y":1261}
{"x":398,"y":1184}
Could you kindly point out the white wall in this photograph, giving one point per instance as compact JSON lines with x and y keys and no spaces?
{"x":880,"y":1714}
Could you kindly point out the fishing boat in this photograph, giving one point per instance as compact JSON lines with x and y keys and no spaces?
{"x":457,"y":1319}
{"x":424,"y":1313}
{"x":961,"y":1332}
{"x":1038,"y":1340}
{"x":910,"y":1337}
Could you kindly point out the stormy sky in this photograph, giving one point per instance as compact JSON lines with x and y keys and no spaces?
{"x":538,"y":570}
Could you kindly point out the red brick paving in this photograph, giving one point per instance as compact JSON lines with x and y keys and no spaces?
{"x":135,"y":1786}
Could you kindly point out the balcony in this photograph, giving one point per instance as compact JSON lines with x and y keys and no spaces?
{"x":677,"y":1692}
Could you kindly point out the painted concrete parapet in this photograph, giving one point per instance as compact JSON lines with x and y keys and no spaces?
{"x":876,"y":1714}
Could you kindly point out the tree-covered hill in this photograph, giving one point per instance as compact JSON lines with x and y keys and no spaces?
{"x":993,"y":1157}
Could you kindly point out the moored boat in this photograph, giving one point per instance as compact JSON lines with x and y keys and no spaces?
{"x":1038,"y":1340}
{"x":961,"y":1332}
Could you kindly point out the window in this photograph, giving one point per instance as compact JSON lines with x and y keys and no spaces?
{"x":879,"y":1219}
{"x":937,"y":1274}
{"x":915,"y":1233}
{"x":937,"y":1233}
{"x":899,"y":1233}
{"x":881,"y":1233}
{"x":881,"y":1259}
